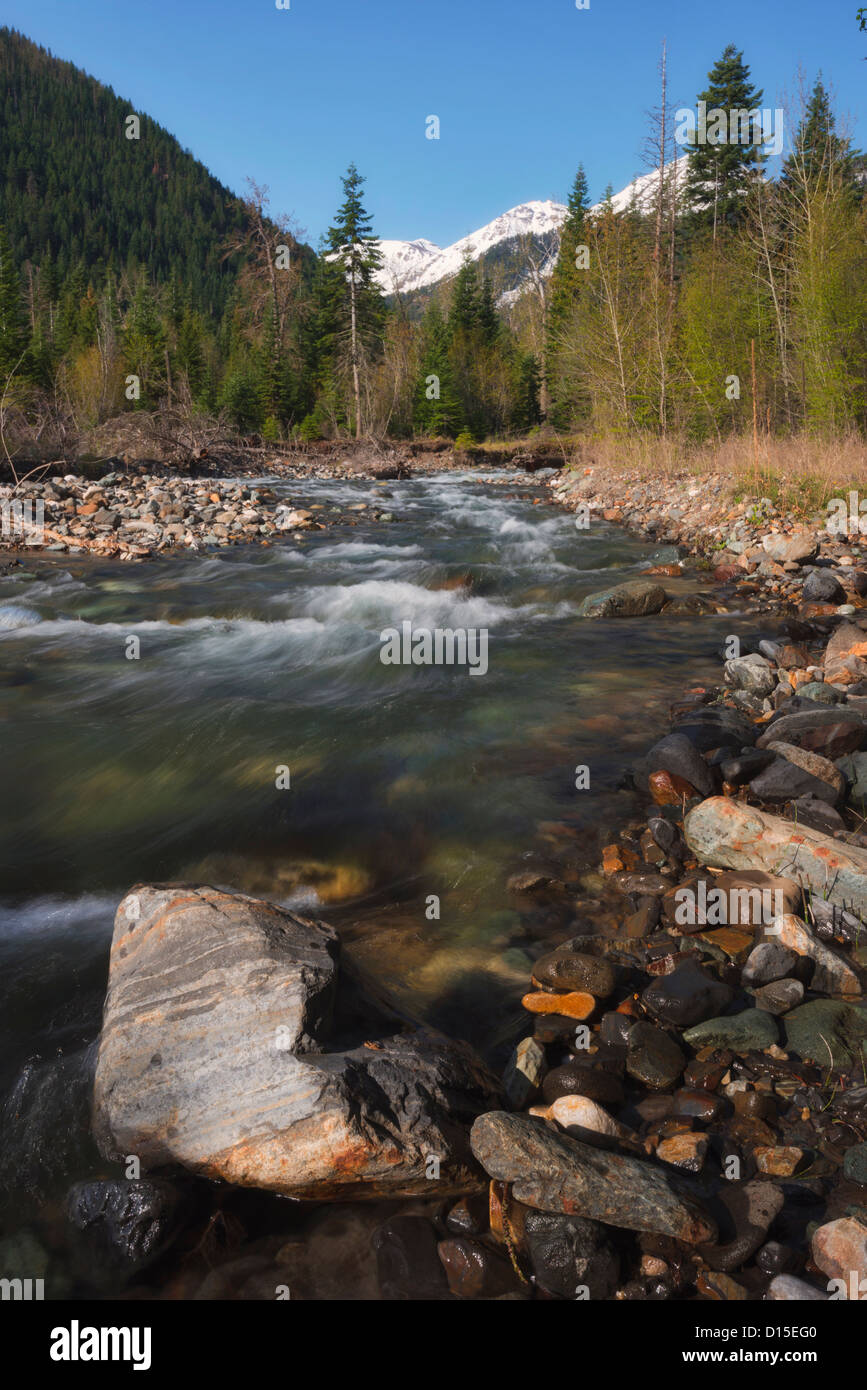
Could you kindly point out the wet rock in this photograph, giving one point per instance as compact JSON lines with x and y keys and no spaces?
{"x":474,"y":1270}
{"x":524,"y":1074}
{"x":633,"y":599}
{"x":854,"y":768}
{"x":746,"y":765}
{"x":749,"y":1210}
{"x":407,"y":1260}
{"x":555,"y":1173}
{"x":778,"y":1161}
{"x":785,"y":781}
{"x":653,"y":1058}
{"x":855,"y":1164}
{"x":687,"y":996}
{"x":127,"y":1223}
{"x":570,"y":970}
{"x":780,"y":996}
{"x":727,"y":834}
{"x":720,"y":1287}
{"x":831,"y":732}
{"x":844,"y":656}
{"x":717,"y":727}
{"x":787,"y":1289}
{"x":571,"y":1255}
{"x":752,"y":673}
{"x":677,"y":756}
{"x":699,"y":1104}
{"x":750,"y":1031}
{"x":210,"y":1058}
{"x":839,"y":1249}
{"x":686,"y":1151}
{"x":774,"y":1258}
{"x":831,"y":973}
{"x":577,"y":1004}
{"x":768,"y":962}
{"x":585,"y":1119}
{"x":469,"y":1216}
{"x":821,"y":586}
{"x":826,"y":1031}
{"x":583,"y":1078}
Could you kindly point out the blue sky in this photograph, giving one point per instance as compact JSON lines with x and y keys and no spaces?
{"x":524,"y":89}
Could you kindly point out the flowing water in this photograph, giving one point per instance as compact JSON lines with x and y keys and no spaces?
{"x":406,"y":782}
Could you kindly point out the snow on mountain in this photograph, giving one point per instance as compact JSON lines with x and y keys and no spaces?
{"x":411,"y":265}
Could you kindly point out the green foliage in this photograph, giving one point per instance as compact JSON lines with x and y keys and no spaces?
{"x":720,"y":172}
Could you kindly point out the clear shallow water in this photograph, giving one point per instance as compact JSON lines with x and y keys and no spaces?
{"x":405,"y":781}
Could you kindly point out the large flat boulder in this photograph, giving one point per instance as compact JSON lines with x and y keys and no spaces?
{"x":727,"y":834}
{"x":235,"y":1046}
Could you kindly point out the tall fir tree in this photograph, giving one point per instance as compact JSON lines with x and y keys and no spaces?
{"x":13,"y":327}
{"x":357,"y":255}
{"x":723,"y":166}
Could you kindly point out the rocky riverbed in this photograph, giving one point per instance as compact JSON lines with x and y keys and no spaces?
{"x":684,"y":1114}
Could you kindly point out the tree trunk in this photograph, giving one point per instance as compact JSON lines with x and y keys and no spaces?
{"x":356,"y":384}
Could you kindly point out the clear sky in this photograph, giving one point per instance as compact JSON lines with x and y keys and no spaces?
{"x":524,"y":89}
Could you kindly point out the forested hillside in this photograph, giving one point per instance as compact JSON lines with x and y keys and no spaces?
{"x":130,"y":279}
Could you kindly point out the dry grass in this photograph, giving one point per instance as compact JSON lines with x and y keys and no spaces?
{"x":799,"y":474}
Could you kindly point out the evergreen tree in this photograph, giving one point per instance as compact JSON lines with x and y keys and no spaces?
{"x":567,"y":277}
{"x":818,"y":153}
{"x":356,"y":252}
{"x":13,"y":329}
{"x":722,"y":168}
{"x":437,"y":407}
{"x":464,"y":313}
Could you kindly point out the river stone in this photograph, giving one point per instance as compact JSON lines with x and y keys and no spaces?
{"x":783,"y":781}
{"x":675,"y":754}
{"x":780,"y":996}
{"x":750,"y":1031}
{"x":652,"y":1057}
{"x":822,"y":586}
{"x":767,"y":962}
{"x":474,"y":1270}
{"x":570,"y":970}
{"x":831,"y":974}
{"x":211,"y":1057}
{"x":126,"y":1223}
{"x":581,"y":1077}
{"x":555,"y":1173}
{"x":844,"y":655}
{"x":585,"y":1119}
{"x":569,"y":1255}
{"x":633,"y":599}
{"x":787,"y":1288}
{"x":752,"y":673}
{"x":827,"y":1031}
{"x":750,"y":1210}
{"x":687,"y":995}
{"x":831,"y":732}
{"x":839,"y":1249}
{"x":796,"y":547}
{"x":820,"y":769}
{"x":821,"y":692}
{"x":525,"y":1071}
{"x":407,"y":1260}
{"x":716,"y":726}
{"x":855,"y":1164}
{"x":729,"y":835}
{"x":854,"y":768}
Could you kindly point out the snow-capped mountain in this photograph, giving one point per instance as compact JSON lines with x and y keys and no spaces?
{"x":414,"y":265}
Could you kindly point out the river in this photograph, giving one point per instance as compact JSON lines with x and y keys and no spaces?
{"x":413,"y":791}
